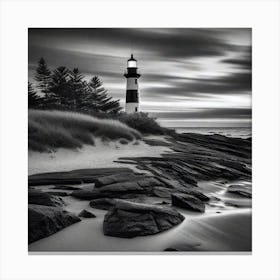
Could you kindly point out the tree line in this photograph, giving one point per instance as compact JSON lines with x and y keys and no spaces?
{"x":67,"y":89}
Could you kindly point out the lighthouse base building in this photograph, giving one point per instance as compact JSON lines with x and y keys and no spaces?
{"x":132,"y":94}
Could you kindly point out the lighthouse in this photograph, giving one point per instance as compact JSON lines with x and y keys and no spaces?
{"x":132,"y":94}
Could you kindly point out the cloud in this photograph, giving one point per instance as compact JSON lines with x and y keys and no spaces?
{"x":188,"y":68}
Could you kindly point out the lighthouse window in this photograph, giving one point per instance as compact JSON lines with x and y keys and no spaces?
{"x":135,"y":81}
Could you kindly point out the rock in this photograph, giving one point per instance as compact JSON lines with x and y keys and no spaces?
{"x":149,"y":182}
{"x":130,"y":219}
{"x":43,"y":198}
{"x":119,"y":179}
{"x":162,"y":192}
{"x":188,"y":202}
{"x":170,"y":249}
{"x":94,"y":194}
{"x":197,"y":194}
{"x":117,"y":190}
{"x":86,"y":214}
{"x":58,"y":193}
{"x":86,"y":194}
{"x":123,"y":141}
{"x":46,"y":220}
{"x":142,"y":186}
{"x":162,"y":203}
{"x":123,"y":187}
{"x":103,"y":203}
{"x":65,"y":187}
{"x":115,"y":178}
{"x":240,"y":190}
{"x":74,"y":177}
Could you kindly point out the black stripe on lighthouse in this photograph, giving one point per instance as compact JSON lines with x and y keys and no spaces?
{"x":132,"y":96}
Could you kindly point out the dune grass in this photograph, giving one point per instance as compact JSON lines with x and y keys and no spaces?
{"x":49,"y":130}
{"x":140,"y":121}
{"x":143,"y":123}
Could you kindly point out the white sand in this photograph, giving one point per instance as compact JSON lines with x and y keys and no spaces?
{"x":222,"y":228}
{"x":99,"y":156}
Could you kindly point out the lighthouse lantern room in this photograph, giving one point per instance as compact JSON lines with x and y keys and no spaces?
{"x":132,"y":94}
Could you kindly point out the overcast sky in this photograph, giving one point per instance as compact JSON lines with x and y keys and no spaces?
{"x":190,"y":77}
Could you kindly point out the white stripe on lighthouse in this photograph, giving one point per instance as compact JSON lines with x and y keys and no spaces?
{"x":132,"y":107}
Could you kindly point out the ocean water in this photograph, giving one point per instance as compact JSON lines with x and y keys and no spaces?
{"x":240,"y":132}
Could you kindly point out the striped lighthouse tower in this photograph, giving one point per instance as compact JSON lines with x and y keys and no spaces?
{"x":132,"y":94}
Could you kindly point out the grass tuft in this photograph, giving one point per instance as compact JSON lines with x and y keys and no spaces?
{"x":143,"y":123}
{"x":49,"y":130}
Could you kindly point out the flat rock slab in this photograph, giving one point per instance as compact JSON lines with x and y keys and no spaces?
{"x":116,"y":178}
{"x":198,"y":157}
{"x":130,"y":219}
{"x":240,"y":190}
{"x":86,"y":214}
{"x":43,"y":198}
{"x":197,"y":194}
{"x":65,"y":188}
{"x":188,"y":202}
{"x":74,"y":177}
{"x":162,"y":192}
{"x":46,"y":220}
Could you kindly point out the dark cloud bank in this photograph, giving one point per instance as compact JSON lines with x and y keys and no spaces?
{"x":200,"y":74}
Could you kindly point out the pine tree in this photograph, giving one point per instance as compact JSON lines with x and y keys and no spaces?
{"x":78,"y":89}
{"x":43,"y":76}
{"x":60,"y":89}
{"x":34,"y":101}
{"x":98,"y":100}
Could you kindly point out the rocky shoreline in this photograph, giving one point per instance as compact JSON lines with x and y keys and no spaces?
{"x":150,"y":200}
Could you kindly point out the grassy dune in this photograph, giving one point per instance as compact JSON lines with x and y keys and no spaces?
{"x":49,"y":130}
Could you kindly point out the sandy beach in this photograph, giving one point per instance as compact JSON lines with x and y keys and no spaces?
{"x":224,"y":226}
{"x":101,"y":155}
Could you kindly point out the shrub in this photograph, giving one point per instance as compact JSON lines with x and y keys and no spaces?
{"x":142,"y":122}
{"x":49,"y":130}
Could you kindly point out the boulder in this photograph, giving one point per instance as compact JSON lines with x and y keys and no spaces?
{"x":43,"y":198}
{"x":130,"y":219}
{"x":120,"y":190}
{"x":86,"y":214}
{"x":46,"y":220}
{"x":103,"y":203}
{"x":188,"y":202}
